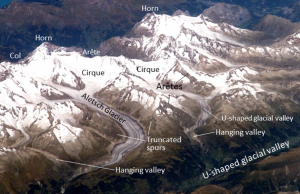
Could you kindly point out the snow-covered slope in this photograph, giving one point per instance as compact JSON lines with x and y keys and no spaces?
{"x":121,"y":73}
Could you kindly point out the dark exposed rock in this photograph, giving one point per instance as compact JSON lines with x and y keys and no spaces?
{"x":232,"y":14}
{"x":276,"y":26}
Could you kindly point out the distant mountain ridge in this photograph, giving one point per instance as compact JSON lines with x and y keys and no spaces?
{"x":50,"y":2}
{"x":228,"y":13}
{"x":276,"y":26}
{"x":87,"y":24}
{"x":81,"y":23}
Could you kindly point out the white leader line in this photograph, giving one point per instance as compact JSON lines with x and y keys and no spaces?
{"x":211,"y":113}
{"x":149,"y":128}
{"x":84,"y":164}
{"x":131,"y":137}
{"x":204,"y":134}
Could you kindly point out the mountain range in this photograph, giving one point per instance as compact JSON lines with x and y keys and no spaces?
{"x":51,"y":109}
{"x":86,"y":24}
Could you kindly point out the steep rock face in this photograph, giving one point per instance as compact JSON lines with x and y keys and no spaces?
{"x":231,"y":14}
{"x":276,"y":26}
